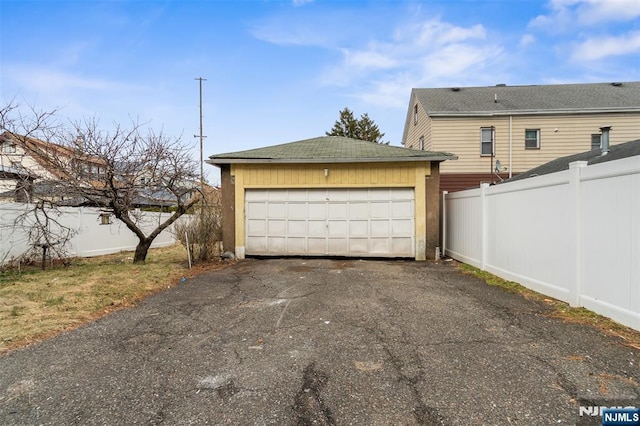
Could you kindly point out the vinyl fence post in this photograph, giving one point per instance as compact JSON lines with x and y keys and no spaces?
{"x":484,"y":234}
{"x":444,"y":223}
{"x":575,"y":174}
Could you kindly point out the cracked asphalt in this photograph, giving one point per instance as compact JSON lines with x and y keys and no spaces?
{"x":322,"y":342}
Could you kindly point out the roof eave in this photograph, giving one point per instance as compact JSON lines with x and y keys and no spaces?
{"x":220,"y":161}
{"x":530,"y":112}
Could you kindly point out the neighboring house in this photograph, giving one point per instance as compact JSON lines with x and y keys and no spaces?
{"x":521,"y":126}
{"x":44,"y":163}
{"x":16,"y":184}
{"x":331,"y":196}
{"x":594,"y":156}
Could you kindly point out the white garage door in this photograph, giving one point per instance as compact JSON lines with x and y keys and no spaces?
{"x":335,"y":222}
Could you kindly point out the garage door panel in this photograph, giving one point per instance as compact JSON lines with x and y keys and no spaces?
{"x":277,"y":244}
{"x":338,"y":228}
{"x":380,"y":209}
{"x":318,"y":211}
{"x":402,"y":209}
{"x":277,"y":227}
{"x":317,"y":245}
{"x":358,"y":245}
{"x":380,"y":228}
{"x":296,"y":245}
{"x":359,"y":210}
{"x":297,"y":210}
{"x":338,"y":195}
{"x":317,"y":228}
{"x":380,"y":245}
{"x":402,"y":245}
{"x":338,"y":246}
{"x":338,"y":211}
{"x":402,"y":227}
{"x":257,"y":209}
{"x":358,"y":228}
{"x":277,"y":210}
{"x":258,"y":244}
{"x":297,"y":228}
{"x":341,"y":222}
{"x":401,"y":194}
{"x":257,"y":227}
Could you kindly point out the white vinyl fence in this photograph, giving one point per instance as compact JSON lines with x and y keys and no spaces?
{"x":89,"y":236}
{"x":572,"y":235}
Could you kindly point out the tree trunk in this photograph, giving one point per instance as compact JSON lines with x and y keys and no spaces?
{"x":141,"y":251}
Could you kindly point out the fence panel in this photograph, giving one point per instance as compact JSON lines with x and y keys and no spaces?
{"x":572,"y":235}
{"x":463,"y":214}
{"x":91,"y":238}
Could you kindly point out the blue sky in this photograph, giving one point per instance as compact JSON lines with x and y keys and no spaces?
{"x":280,"y":71}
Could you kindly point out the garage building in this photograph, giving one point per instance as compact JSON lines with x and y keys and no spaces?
{"x":331,"y":196}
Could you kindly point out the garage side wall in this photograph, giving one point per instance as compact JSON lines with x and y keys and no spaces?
{"x":344,"y":175}
{"x":228,"y":209}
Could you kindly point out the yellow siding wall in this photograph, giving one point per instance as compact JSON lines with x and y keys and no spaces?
{"x":461,"y":136}
{"x":348,"y":175}
{"x":339,"y":175}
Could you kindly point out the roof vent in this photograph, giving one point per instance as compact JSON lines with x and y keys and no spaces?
{"x":455,"y":89}
{"x":501,"y":85}
{"x":616,"y":84}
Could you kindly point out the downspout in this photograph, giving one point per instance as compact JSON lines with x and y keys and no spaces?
{"x":510,"y":146}
{"x":604,"y":140}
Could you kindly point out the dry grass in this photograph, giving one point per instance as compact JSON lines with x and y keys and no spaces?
{"x":35,"y":304}
{"x":561,"y":310}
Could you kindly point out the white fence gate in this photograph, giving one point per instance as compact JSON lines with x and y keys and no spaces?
{"x":572,"y":235}
{"x":90,"y":236}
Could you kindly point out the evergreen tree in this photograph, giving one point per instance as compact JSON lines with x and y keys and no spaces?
{"x":363,"y":128}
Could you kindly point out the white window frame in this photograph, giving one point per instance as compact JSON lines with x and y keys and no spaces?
{"x":527,"y":140}
{"x":483,"y":142}
{"x":594,"y":137}
{"x":421,"y":143}
{"x":9,"y":148}
{"x":415,"y":114}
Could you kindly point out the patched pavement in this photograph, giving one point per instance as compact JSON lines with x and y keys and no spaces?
{"x":322,"y":341}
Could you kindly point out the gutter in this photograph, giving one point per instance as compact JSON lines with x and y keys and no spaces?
{"x":217,"y":161}
{"x":530,"y":112}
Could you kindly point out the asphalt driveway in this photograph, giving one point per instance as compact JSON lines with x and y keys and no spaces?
{"x":318,"y":341}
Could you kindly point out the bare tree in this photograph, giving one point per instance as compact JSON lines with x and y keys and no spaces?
{"x":118,"y":170}
{"x":202,"y":234}
{"x":39,"y":220}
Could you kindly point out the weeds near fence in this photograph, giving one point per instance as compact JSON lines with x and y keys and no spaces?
{"x":559,"y":309}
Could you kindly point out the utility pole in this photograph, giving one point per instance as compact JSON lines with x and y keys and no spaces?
{"x":200,"y":80}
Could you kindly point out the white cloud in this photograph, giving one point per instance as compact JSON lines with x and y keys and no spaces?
{"x":42,"y":80}
{"x":369,"y":59}
{"x":416,"y":54}
{"x":526,"y":40}
{"x":594,"y":49}
{"x":566,"y":15}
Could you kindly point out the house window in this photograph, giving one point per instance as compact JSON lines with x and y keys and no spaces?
{"x":9,"y":148}
{"x":596,"y":141}
{"x":16,"y":165}
{"x":415,"y":114}
{"x":486,"y":141}
{"x":421,"y":143}
{"x":532,"y":139}
{"x":105,"y":219}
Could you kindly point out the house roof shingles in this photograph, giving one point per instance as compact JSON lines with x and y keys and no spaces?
{"x":616,"y":152}
{"x":540,"y":99}
{"x":328,"y":149}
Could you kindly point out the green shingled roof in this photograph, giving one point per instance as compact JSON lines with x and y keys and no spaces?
{"x":328,"y":149}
